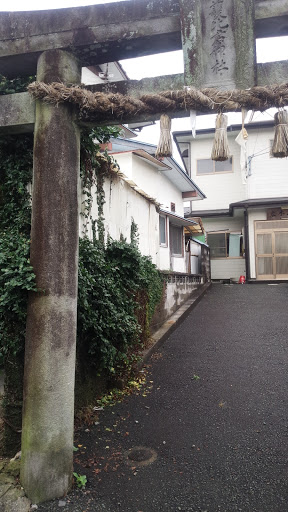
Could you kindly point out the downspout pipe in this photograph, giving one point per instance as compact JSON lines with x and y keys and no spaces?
{"x":247,"y":247}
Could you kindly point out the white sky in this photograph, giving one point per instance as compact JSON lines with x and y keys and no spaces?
{"x":155,"y":65}
{"x":40,"y":5}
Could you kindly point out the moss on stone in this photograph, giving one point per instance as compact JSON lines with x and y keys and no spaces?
{"x":13,"y":468}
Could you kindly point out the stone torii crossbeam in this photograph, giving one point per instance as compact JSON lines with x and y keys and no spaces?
{"x":218,"y":41}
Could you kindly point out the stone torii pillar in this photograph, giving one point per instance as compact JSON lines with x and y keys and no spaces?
{"x":47,"y":430}
{"x":218,"y":43}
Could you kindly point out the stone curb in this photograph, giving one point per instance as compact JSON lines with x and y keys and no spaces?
{"x":160,"y":336}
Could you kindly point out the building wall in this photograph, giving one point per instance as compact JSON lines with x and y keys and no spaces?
{"x":164,"y":258}
{"x":220,"y":189}
{"x":151,"y":180}
{"x":223,"y":223}
{"x":122,"y":205}
{"x":178,"y":264}
{"x":167,"y":194}
{"x":156,"y":185}
{"x":269,"y":176}
{"x":226,"y":268}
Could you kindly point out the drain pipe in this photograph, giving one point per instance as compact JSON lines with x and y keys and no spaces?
{"x":247,"y":248}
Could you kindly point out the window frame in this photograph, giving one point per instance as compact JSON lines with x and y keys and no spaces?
{"x":163,"y":244}
{"x":176,"y":255}
{"x":214,"y":164}
{"x":227,"y":257}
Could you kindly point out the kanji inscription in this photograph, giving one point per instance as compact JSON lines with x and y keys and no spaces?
{"x":219,"y":30}
{"x":219,"y":47}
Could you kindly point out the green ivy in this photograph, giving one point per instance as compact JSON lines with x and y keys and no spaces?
{"x":107,"y":325}
{"x":16,"y":273}
{"x":110,"y":283}
{"x":93,"y":172}
{"x":15,"y":84}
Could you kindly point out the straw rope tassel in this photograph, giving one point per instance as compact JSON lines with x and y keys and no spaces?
{"x":280,"y":143}
{"x":164,"y":147}
{"x":220,"y":150}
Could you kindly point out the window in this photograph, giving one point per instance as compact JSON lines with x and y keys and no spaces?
{"x":225,"y":245}
{"x":176,"y":240}
{"x":173,"y":207}
{"x":208,"y":166}
{"x":218,"y":245}
{"x":162,"y":231}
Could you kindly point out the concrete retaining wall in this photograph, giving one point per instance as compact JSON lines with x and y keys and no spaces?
{"x":176,"y":290}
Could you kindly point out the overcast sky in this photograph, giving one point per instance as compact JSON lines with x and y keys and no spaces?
{"x":155,"y":65}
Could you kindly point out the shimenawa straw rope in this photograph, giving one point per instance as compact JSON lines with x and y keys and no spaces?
{"x":165,"y":142}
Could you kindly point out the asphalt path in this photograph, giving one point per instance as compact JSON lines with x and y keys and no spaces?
{"x":213,"y":416}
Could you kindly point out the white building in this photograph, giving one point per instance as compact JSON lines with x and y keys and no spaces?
{"x":245,"y":213}
{"x":102,"y":73}
{"x":149,"y":193}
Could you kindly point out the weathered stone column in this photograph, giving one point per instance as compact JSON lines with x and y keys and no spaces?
{"x":218,"y":43}
{"x":47,"y":431}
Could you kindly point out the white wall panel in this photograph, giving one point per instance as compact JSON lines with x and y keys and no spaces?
{"x":228,"y":268}
{"x":221,"y":189}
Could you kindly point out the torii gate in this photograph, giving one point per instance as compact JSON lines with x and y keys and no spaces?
{"x":218,"y":40}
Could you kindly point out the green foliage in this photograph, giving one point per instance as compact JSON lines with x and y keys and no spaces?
{"x":93,"y":170}
{"x":16,"y":279}
{"x":16,"y":161}
{"x":14,"y":85}
{"x":106,"y":321}
{"x":81,"y":480}
{"x":108,"y":302}
{"x":134,"y":233}
{"x":16,"y":273}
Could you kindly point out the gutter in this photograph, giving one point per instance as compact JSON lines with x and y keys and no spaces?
{"x":178,"y":220}
{"x":273,"y":202}
{"x":208,"y":213}
{"x":247,"y":245}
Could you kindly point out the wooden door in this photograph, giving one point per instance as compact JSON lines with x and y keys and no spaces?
{"x":271,"y":250}
{"x":281,"y":254}
{"x":264,"y":256}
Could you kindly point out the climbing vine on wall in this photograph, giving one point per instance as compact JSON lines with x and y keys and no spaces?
{"x":118,"y":287}
{"x":115,"y":302}
{"x":16,"y":275}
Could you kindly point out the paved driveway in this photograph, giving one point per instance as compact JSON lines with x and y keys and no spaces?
{"x":216,"y":416}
